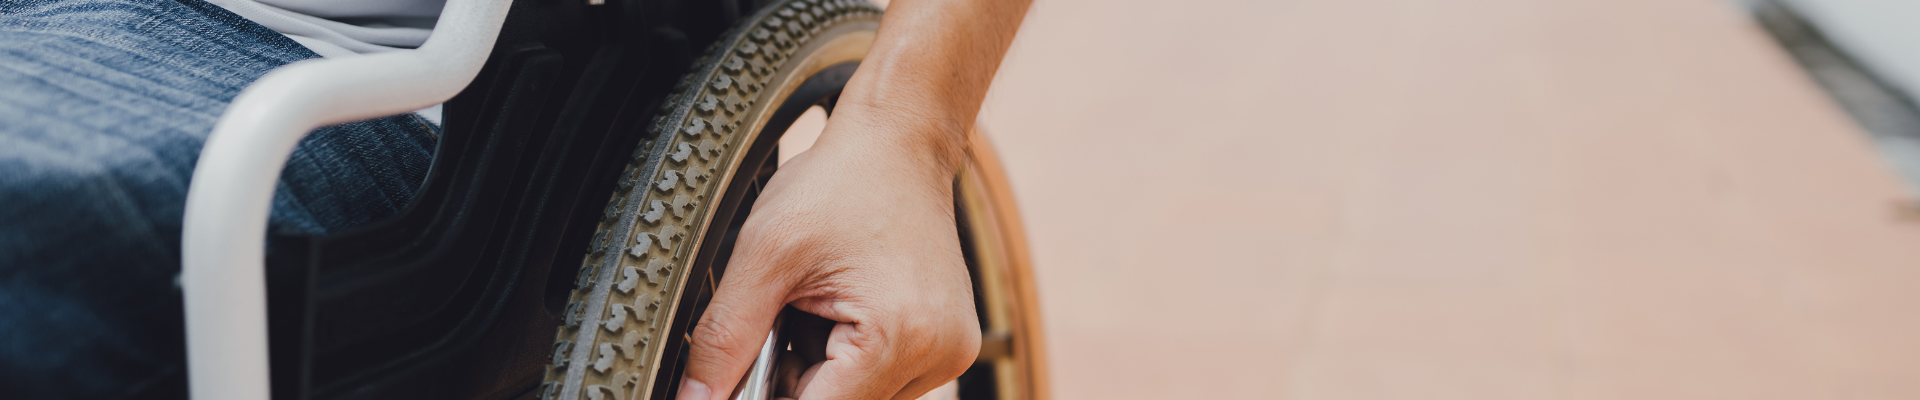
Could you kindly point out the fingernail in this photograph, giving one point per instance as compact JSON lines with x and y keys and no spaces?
{"x":693,"y":390}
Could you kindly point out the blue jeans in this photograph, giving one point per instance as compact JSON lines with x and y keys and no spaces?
{"x":104,"y":105}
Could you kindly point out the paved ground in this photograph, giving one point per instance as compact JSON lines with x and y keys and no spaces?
{"x":1468,"y":199}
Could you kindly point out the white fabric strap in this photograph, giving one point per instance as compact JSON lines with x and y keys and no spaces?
{"x":372,"y":38}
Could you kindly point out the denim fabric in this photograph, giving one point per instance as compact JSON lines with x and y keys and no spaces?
{"x":104,"y":105}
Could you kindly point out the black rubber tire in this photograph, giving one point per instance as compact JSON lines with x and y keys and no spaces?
{"x":653,"y":256}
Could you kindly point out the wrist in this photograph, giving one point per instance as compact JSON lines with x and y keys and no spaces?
{"x":898,"y":138}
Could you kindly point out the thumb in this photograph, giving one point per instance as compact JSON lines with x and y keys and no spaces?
{"x":731,"y":331}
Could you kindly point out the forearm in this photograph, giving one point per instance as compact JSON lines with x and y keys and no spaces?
{"x":920,"y":87}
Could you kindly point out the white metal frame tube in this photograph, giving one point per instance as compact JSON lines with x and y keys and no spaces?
{"x":223,"y":247}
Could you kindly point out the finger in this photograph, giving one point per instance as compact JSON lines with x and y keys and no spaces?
{"x":806,"y":335}
{"x":786,"y":374}
{"x":946,"y":391}
{"x":922,"y":388}
{"x":855,"y":368}
{"x":873,"y":357}
{"x":732,"y":330}
{"x":843,"y":380}
{"x":800,"y":386}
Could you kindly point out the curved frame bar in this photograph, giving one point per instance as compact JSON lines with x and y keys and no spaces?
{"x":223,"y":246}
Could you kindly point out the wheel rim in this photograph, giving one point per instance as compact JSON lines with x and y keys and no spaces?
{"x":1012,"y":353}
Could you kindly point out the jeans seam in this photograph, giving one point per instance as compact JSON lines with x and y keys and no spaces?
{"x":433,"y":131}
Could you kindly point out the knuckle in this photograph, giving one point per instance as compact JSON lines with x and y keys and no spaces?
{"x":774,"y":244}
{"x":967,"y":344}
{"x":870,"y":338}
{"x":781,"y":226}
{"x":787,"y":225}
{"x":955,"y":344}
{"x":962,"y":352}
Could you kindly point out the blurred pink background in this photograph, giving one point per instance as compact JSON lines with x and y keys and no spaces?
{"x":1470,"y":199}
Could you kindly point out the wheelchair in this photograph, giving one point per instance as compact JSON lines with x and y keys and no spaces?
{"x":585,"y":196}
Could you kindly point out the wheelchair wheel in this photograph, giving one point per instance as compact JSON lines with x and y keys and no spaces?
{"x":662,"y":246}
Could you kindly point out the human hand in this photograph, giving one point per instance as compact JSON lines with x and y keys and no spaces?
{"x":860,"y":232}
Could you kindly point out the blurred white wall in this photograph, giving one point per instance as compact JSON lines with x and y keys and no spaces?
{"x":1882,"y":34}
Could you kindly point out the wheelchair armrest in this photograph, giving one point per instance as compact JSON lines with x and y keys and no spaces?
{"x":223,"y":242}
